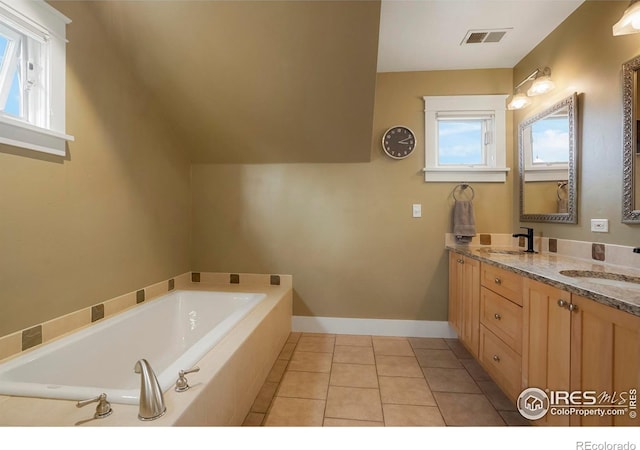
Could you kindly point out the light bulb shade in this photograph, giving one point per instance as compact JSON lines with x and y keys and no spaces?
{"x":519,"y":101}
{"x":541,"y":85}
{"x":630,"y":21}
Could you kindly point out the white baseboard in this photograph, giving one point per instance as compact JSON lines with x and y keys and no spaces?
{"x":374,"y":327}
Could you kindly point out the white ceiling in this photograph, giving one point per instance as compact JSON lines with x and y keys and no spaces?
{"x":420,"y":35}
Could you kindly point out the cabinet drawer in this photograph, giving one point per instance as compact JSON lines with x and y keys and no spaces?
{"x":506,"y":283}
{"x":502,"y":317}
{"x":501,"y":362}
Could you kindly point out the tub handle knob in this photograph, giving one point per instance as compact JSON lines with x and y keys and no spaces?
{"x":182,"y":384}
{"x":102,"y":410}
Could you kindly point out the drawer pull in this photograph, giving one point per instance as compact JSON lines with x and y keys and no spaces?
{"x":562,"y":303}
{"x":498,"y":280}
{"x":496,"y":358}
{"x":461,"y":261}
{"x":572,"y":307}
{"x":497,"y":316}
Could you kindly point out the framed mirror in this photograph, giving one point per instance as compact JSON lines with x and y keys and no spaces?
{"x":630,"y":147}
{"x":548,"y":157}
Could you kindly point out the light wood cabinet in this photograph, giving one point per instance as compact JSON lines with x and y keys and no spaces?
{"x":501,"y":328}
{"x":464,"y":299}
{"x":526,"y":333}
{"x":572,"y":343}
{"x":456,"y":281}
{"x":546,"y":355}
{"x":503,"y":282}
{"x":605,"y":355}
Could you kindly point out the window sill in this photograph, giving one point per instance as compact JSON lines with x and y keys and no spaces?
{"x":25,"y":135}
{"x":463,"y":175}
{"x":547,"y":174}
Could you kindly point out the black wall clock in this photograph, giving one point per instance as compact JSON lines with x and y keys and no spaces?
{"x":398,"y":142}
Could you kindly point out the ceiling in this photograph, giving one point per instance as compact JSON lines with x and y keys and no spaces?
{"x":418,"y":35}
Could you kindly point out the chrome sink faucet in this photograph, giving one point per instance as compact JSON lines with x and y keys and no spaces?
{"x":529,"y":237}
{"x":151,"y":399}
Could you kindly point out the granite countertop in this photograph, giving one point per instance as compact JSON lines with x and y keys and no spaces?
{"x":618,"y":291}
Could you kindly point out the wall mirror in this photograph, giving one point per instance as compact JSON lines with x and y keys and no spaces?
{"x":630,"y":147}
{"x":548,"y":156}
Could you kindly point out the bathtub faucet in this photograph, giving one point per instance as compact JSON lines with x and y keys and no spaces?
{"x":151,"y":400}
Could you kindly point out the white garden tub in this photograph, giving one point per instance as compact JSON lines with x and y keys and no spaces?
{"x":172,"y":332}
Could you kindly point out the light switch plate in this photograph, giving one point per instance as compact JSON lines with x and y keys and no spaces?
{"x":600,"y":225}
{"x":417,"y":210}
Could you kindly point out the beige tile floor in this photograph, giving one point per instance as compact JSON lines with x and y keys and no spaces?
{"x":348,"y":380}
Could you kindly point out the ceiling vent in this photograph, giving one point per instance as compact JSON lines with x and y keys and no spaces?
{"x":484,"y":36}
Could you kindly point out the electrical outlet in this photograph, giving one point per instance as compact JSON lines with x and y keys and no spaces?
{"x":417,"y":210}
{"x":600,"y":225}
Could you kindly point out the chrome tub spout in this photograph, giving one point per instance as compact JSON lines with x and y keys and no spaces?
{"x":151,"y":399}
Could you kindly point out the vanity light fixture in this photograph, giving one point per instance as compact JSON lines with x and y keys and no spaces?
{"x":630,"y":21}
{"x":541,"y":85}
{"x":519,"y":101}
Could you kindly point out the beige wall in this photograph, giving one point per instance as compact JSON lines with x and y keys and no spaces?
{"x":585,"y":57}
{"x":256,"y":81}
{"x":111,"y":217}
{"x":345,"y":231}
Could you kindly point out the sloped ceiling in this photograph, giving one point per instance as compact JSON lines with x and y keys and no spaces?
{"x":256,"y":82}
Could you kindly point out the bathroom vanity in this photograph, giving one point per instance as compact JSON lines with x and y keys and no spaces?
{"x":549,"y":321}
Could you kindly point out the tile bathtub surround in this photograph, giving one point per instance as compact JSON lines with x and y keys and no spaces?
{"x":14,"y":343}
{"x":354,"y":380}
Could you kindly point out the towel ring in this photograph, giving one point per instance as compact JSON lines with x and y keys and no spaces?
{"x":562,"y":190}
{"x":463,"y":187}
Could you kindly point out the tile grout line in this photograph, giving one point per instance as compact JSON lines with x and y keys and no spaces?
{"x":326,"y":397}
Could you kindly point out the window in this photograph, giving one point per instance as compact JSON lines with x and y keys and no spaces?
{"x":32,"y":76}
{"x":465,"y":138}
{"x":546,"y":144}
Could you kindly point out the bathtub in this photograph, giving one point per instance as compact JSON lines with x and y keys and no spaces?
{"x":172,"y":332}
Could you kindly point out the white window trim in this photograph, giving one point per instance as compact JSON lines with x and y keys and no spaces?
{"x":495,"y":170}
{"x":38,"y":16}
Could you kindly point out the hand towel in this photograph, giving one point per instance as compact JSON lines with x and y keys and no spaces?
{"x":464,"y":222}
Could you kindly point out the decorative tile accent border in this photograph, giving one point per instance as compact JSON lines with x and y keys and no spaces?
{"x":97,"y":312}
{"x":597,"y":251}
{"x":14,"y":343}
{"x":619,"y":255}
{"x":31,"y":337}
